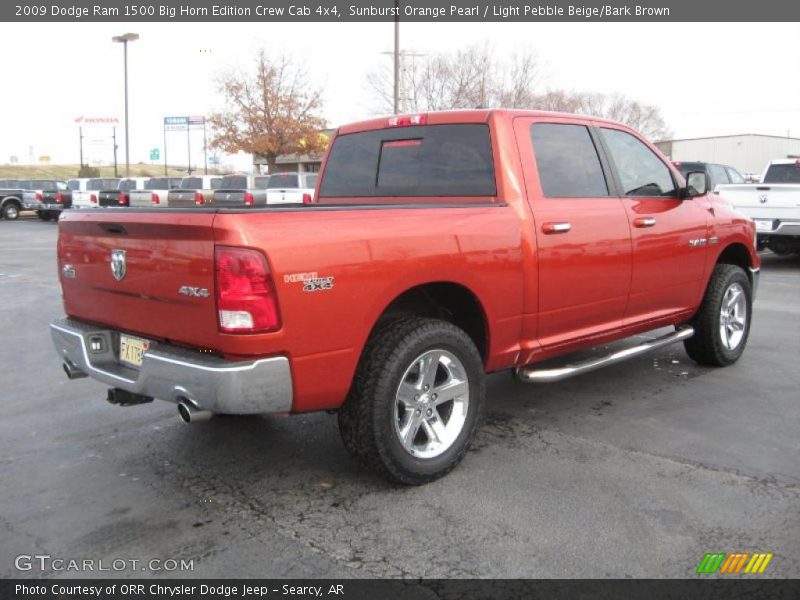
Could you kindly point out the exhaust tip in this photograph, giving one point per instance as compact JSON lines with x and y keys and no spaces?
{"x":72,"y":371}
{"x":189,"y":412}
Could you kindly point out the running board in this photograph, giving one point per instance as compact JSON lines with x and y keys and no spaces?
{"x":531,"y":374}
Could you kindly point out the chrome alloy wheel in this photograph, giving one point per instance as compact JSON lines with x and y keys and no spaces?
{"x":733,"y":316}
{"x":431,"y":404}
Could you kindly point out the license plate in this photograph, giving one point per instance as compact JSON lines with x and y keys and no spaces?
{"x":763,"y":225}
{"x":131,"y":350}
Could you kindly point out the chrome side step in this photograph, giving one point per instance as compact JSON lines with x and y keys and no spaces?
{"x":530,"y":374}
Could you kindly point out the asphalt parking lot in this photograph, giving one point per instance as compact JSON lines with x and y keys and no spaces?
{"x":637,"y":470}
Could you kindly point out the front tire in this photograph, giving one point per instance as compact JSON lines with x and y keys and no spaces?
{"x":722,"y":324}
{"x":416,"y":400}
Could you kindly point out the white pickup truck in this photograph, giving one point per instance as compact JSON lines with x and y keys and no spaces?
{"x":774,"y":205}
{"x":291,"y":188}
{"x":89,"y":196}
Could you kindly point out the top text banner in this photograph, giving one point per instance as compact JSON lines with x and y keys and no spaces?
{"x":387,"y":10}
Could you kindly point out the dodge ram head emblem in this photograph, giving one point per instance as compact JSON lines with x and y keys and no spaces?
{"x":762,"y":198}
{"x":118,"y":264}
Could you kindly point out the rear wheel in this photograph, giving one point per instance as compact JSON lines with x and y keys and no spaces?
{"x":11,"y":211}
{"x":722,"y":325}
{"x":416,"y":400}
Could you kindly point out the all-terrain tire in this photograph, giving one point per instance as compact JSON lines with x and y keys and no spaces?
{"x":368,"y":421}
{"x":722,"y":324}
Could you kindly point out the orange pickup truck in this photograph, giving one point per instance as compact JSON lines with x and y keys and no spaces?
{"x":439,"y":247}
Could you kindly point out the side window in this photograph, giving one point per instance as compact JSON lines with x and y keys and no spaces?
{"x":718,"y":175}
{"x":734,"y":175}
{"x":641,"y":172}
{"x":567,"y":161}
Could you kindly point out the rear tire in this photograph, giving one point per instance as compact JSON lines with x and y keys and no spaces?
{"x":11,"y":211}
{"x":722,"y":324}
{"x":416,"y":400}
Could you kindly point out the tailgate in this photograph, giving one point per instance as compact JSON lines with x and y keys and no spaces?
{"x":229,"y":198}
{"x":286,"y":195}
{"x":109,"y":199}
{"x":156,"y":255}
{"x":181,"y":199}
{"x":764,"y":201}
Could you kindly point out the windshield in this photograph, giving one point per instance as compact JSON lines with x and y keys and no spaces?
{"x":785,"y":173}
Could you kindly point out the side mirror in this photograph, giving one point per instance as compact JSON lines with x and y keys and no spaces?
{"x":696,"y":184}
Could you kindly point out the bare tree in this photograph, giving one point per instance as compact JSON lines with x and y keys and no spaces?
{"x":273,"y":111}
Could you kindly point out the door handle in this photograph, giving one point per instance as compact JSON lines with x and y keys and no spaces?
{"x":556,"y":227}
{"x":644,"y":222}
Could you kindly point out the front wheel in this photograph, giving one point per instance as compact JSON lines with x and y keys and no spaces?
{"x":416,"y":400}
{"x":722,"y":324}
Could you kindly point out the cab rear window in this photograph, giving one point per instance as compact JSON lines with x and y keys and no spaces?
{"x":428,"y":160}
{"x":783,"y":173}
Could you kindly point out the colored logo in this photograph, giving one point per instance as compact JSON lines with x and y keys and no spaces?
{"x":736,"y":562}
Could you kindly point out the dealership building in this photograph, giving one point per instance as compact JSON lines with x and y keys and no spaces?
{"x":747,"y":152}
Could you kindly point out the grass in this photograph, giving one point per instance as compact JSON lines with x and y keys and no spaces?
{"x":71,"y":171}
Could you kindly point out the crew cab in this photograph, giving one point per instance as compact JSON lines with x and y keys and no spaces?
{"x":242,"y":190}
{"x":194,"y":191}
{"x":441,"y":247}
{"x":292,"y":188}
{"x":121,"y":195}
{"x":154,"y":192}
{"x":11,"y":191}
{"x":774,"y":205}
{"x":48,"y":197}
{"x":89,"y":197}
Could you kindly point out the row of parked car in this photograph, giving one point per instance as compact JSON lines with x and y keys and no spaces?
{"x":48,"y":197}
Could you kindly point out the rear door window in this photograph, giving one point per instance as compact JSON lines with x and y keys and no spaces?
{"x":567,"y":161}
{"x":641,"y":172}
{"x":418,"y":161}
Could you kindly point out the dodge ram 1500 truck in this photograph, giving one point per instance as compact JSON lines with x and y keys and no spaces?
{"x":154,"y":192}
{"x":48,"y":197}
{"x":11,"y":192}
{"x":241,"y":190}
{"x":89,"y":196}
{"x":121,"y":195}
{"x":440,"y":247}
{"x":774,"y":205}
{"x":194,"y":191}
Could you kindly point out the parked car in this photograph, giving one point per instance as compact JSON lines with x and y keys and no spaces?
{"x":89,"y":196}
{"x":774,"y":205}
{"x":11,"y":191}
{"x":154,"y":192}
{"x":717,"y":174}
{"x":194,"y":191}
{"x":441,"y":247}
{"x":120,"y":196}
{"x":242,"y":190}
{"x":48,"y":197}
{"x":292,"y":188}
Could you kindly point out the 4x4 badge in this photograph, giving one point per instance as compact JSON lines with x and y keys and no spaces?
{"x":118,"y":264}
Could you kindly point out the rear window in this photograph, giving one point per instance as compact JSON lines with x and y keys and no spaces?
{"x":283,"y":180}
{"x":311,"y":180}
{"x":215,"y":183}
{"x":158,"y":183}
{"x":786,"y":173}
{"x":233,"y":182}
{"x":73,"y":184}
{"x":102,"y":184}
{"x":192,"y":183}
{"x":43,"y":184}
{"x":127,"y":185}
{"x":428,"y":160}
{"x":261,"y":183}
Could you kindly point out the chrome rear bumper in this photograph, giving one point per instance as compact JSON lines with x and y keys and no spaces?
{"x":177,"y":374}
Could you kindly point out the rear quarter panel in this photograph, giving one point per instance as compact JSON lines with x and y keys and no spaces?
{"x":373,"y":255}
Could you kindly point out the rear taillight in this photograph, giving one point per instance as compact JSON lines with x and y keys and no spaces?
{"x":38,"y":197}
{"x":408,"y":120}
{"x":59,"y":197}
{"x":198,"y":198}
{"x":306,"y":198}
{"x":246,"y":299}
{"x":93,"y":198}
{"x":123,"y":199}
{"x":248,"y":199}
{"x":154,"y":198}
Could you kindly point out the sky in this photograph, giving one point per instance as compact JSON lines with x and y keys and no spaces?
{"x":707,"y":79}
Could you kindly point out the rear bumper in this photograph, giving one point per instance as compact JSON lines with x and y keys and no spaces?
{"x":176,"y":374}
{"x":780,"y":227}
{"x":42,"y":206}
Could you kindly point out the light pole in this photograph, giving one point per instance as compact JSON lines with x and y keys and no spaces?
{"x":124,"y":39}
